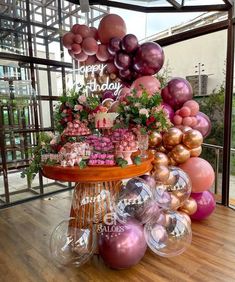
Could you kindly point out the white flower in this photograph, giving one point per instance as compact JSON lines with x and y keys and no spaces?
{"x":82,"y":99}
{"x":137,"y":105}
{"x":144,"y":112}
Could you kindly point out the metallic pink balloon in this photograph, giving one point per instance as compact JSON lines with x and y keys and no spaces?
{"x":114,"y":45}
{"x":168,"y":109}
{"x":177,"y":92}
{"x":149,"y":58}
{"x":122,"y":245}
{"x":205,"y":205}
{"x":129,"y":43}
{"x":122,"y":60}
{"x":203,"y":124}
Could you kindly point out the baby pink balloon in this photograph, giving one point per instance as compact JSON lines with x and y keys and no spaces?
{"x":148,"y":83}
{"x":205,"y":205}
{"x":203,"y":124}
{"x":177,"y":92}
{"x":200,"y":172}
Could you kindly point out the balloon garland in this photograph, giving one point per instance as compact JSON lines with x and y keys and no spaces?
{"x":154,"y":210}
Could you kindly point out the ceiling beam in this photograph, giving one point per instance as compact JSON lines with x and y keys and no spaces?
{"x":229,"y":3}
{"x":175,"y":4}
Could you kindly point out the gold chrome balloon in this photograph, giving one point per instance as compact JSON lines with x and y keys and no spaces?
{"x":155,"y":139}
{"x":171,"y":180}
{"x":192,"y":139}
{"x":161,"y":173}
{"x":189,"y":207}
{"x":184,"y":128}
{"x":180,"y":154}
{"x":161,"y":149}
{"x":196,"y":152}
{"x":172,"y":137}
{"x":160,"y":159}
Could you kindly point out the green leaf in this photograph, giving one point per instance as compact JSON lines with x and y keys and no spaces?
{"x":121,"y":162}
{"x":137,"y":160}
{"x":82,"y":164}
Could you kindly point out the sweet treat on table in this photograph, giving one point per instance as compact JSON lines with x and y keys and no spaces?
{"x":76,"y":128}
{"x":105,"y":120}
{"x":101,"y":144}
{"x":128,"y":143}
{"x":117,"y":134}
{"x":101,"y":159}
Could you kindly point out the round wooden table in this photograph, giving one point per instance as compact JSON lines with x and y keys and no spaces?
{"x":96,"y":187}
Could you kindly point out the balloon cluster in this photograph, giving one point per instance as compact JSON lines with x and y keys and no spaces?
{"x":145,"y":218}
{"x":133,"y":60}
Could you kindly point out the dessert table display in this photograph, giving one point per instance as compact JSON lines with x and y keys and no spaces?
{"x":130,"y":139}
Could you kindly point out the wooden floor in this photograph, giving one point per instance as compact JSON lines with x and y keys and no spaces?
{"x":24,"y":254}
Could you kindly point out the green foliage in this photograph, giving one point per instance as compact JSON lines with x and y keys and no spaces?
{"x":121,"y":162}
{"x":137,"y":160}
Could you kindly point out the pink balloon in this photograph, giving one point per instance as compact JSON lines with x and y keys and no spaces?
{"x":200,"y":172}
{"x":125,"y":91}
{"x":102,"y":53}
{"x":122,"y":245}
{"x":90,"y":60}
{"x":68,"y":40}
{"x":83,"y":30}
{"x":203,"y":124}
{"x":77,"y":38}
{"x":111,"y":26}
{"x":149,"y":83}
{"x":177,"y":92}
{"x":76,"y":48}
{"x":89,"y":46}
{"x":75,"y":28}
{"x":168,"y":109}
{"x":81,"y":57}
{"x":94,"y":33}
{"x":111,"y":68}
{"x":149,"y":58}
{"x":205,"y":205}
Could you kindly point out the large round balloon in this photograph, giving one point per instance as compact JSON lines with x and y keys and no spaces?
{"x":200,"y":172}
{"x":205,"y":205}
{"x":177,"y":92}
{"x":149,"y":58}
{"x":122,"y":245}
{"x":111,"y":26}
{"x":148,"y":83}
{"x":203,"y":124}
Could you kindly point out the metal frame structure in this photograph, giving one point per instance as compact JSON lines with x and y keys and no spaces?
{"x":41,"y":22}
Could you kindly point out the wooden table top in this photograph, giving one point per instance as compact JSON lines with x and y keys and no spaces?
{"x":97,"y":173}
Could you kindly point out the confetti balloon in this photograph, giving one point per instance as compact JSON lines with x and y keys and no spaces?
{"x":71,"y":245}
{"x":170,"y":240}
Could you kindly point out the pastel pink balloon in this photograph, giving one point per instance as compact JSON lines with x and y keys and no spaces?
{"x":89,"y":46}
{"x":205,"y":205}
{"x":177,"y":120}
{"x":193,"y":105}
{"x":90,"y":60}
{"x":125,"y":91}
{"x":102,"y":53}
{"x":148,"y":83}
{"x":81,"y":57}
{"x":200,"y":172}
{"x":110,"y":26}
{"x":94,"y":33}
{"x":77,"y":39}
{"x":76,"y":48}
{"x":83,"y":30}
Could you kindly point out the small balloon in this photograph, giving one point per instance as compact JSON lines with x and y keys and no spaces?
{"x":161,"y":173}
{"x":192,"y":138}
{"x":102,"y":53}
{"x":172,"y":137}
{"x":129,"y":43}
{"x":196,"y":152}
{"x":155,"y":139}
{"x":114,"y":45}
{"x":160,"y":159}
{"x":81,"y":57}
{"x":189,"y":206}
{"x":89,"y":46}
{"x":203,"y":124}
{"x":93,"y":33}
{"x":67,"y":40}
{"x":122,"y":60}
{"x":180,"y":153}
{"x":169,"y":111}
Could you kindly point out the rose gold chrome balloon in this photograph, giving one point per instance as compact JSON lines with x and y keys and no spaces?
{"x":192,"y":139}
{"x":180,"y":154}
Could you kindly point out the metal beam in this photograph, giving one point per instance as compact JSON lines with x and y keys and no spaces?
{"x":175,"y":4}
{"x":229,"y":3}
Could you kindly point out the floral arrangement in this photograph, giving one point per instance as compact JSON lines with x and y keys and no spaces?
{"x":144,"y":111}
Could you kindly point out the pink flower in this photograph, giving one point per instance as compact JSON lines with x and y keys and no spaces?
{"x":144,"y":112}
{"x":78,"y":108}
{"x":82,"y":99}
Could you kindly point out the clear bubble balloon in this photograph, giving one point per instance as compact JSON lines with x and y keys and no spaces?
{"x":71,"y":245}
{"x":169,"y":240}
{"x":132,"y":200}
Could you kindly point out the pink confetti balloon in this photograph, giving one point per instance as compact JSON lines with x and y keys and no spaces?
{"x":111,"y":26}
{"x":205,"y":205}
{"x":203,"y":124}
{"x":177,"y":92}
{"x":149,"y":83}
{"x":122,"y":245}
{"x":200,"y":172}
{"x":149,"y":58}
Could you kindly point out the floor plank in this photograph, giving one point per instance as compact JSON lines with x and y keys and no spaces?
{"x":24,"y":247}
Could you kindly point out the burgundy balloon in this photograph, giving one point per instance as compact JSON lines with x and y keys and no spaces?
{"x":205,"y":205}
{"x":108,"y":94}
{"x":125,"y":74}
{"x":203,"y":124}
{"x":149,"y":58}
{"x":122,"y":60}
{"x":114,"y":45}
{"x":177,"y":92}
{"x":129,"y":43}
{"x":122,"y":245}
{"x":90,"y":60}
{"x":75,"y":28}
{"x":168,"y":109}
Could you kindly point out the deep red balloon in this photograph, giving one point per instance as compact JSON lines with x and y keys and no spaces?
{"x":177,"y":92}
{"x":129,"y":43}
{"x":125,"y":74}
{"x":114,"y":45}
{"x":122,"y":60}
{"x":149,"y":58}
{"x":122,"y":245}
